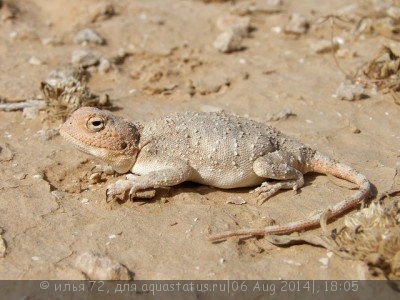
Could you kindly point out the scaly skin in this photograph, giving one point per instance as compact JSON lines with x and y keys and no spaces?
{"x":215,"y":149}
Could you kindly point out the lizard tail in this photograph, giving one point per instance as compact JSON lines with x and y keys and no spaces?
{"x":321,"y":164}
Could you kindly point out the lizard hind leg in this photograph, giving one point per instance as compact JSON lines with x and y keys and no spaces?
{"x":278,"y":165}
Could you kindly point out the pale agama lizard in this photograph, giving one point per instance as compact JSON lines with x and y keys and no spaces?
{"x":216,"y":149}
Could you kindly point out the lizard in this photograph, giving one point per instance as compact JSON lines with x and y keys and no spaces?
{"x":216,"y":149}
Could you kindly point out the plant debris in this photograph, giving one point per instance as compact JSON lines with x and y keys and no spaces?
{"x":383,"y":72}
{"x":371,"y":235}
{"x":63,"y":92}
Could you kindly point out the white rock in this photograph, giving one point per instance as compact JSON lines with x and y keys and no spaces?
{"x":84,"y":57}
{"x":101,"y":268}
{"x":298,"y":24}
{"x":349,"y":91}
{"x":35,"y":61}
{"x":105,"y":65}
{"x":324,"y":46}
{"x":88,"y":35}
{"x":228,"y":41}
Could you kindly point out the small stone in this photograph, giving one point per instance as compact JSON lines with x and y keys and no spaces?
{"x":393,"y":12}
{"x":101,"y":268}
{"x":236,"y":200}
{"x":24,"y":34}
{"x":37,"y":176}
{"x":324,"y":46}
{"x":240,"y":25}
{"x":342,"y":53}
{"x":354,"y":129}
{"x":298,"y":24}
{"x":349,"y":91}
{"x":95,"y":178}
{"x":84,"y":57}
{"x":20,"y":176}
{"x":85,"y":201}
{"x":52,"y":41}
{"x":30,"y":113}
{"x":88,"y":35}
{"x":228,"y":41}
{"x":46,"y":135}
{"x":104,"y":66}
{"x":35,"y":61}
{"x":210,"y":84}
{"x":324,"y":261}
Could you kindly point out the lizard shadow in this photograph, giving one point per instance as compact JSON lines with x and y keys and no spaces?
{"x":164,"y":193}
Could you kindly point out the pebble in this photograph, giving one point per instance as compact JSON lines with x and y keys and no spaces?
{"x":84,"y":57}
{"x":20,"y":176}
{"x":46,"y":134}
{"x":88,"y":35}
{"x":228,"y":41}
{"x":237,"y":200}
{"x":95,"y":178}
{"x":393,"y":12}
{"x":324,"y":46}
{"x":35,"y":61}
{"x":349,"y":91}
{"x":210,"y":84}
{"x":24,"y":34}
{"x":37,"y":176}
{"x":324,"y":261}
{"x":354,"y":129}
{"x":298,"y":24}
{"x":52,"y":41}
{"x":104,"y":65}
{"x":101,"y":268}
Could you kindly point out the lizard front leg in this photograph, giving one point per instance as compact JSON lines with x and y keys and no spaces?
{"x":277,"y":165}
{"x":167,"y":174}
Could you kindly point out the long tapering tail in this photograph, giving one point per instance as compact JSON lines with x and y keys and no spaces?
{"x":321,"y":164}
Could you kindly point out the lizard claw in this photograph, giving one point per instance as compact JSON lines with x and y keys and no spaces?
{"x":266,"y":191}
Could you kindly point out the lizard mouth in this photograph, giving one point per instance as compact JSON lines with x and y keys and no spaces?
{"x":98,"y":152}
{"x":120,"y":163}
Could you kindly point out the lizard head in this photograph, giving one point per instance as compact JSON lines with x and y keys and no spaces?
{"x":99,"y":133}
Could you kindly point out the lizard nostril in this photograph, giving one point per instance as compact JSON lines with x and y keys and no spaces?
{"x":124,"y":145}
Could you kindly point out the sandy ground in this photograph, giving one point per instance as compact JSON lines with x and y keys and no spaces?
{"x":50,"y":215}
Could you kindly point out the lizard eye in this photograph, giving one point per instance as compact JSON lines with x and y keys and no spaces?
{"x":95,"y":124}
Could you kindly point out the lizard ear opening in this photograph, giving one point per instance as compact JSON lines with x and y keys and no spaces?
{"x":95,"y":124}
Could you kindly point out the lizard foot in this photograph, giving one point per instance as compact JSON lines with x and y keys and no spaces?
{"x":266,"y":191}
{"x":122,"y":186}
